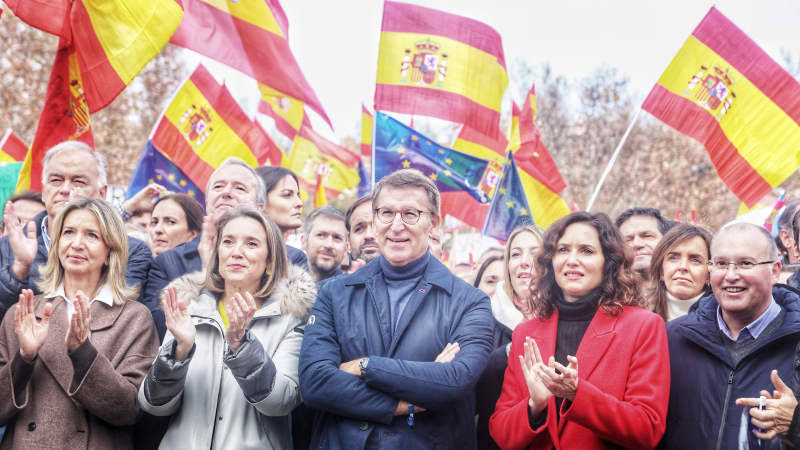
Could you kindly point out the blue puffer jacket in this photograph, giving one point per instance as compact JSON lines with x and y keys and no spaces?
{"x":177,"y":262}
{"x":139,"y":258}
{"x":702,"y":411}
{"x":350,"y":320}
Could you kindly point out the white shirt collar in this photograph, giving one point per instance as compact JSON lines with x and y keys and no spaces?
{"x":106,"y":295}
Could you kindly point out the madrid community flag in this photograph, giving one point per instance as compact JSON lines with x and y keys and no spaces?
{"x":204,"y":126}
{"x":250,"y":36}
{"x":65,"y":116}
{"x":113,"y":39}
{"x":724,"y":91}
{"x":317,"y":161}
{"x":12,"y":149}
{"x":287,"y":112}
{"x":432,"y":63}
{"x":154,"y":167}
{"x":366,"y":133}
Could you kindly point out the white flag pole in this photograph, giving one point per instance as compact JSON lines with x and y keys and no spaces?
{"x":612,"y":161}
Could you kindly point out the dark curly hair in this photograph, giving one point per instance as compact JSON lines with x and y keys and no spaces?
{"x":621,"y":286}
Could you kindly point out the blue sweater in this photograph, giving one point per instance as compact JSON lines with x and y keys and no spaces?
{"x":400,"y":282}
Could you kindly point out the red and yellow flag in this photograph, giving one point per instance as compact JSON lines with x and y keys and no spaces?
{"x":724,"y":91}
{"x":366,"y":133}
{"x":204,"y":126}
{"x":250,"y":36}
{"x":313,"y":156}
{"x":113,"y":40}
{"x":65,"y":116}
{"x":473,"y":143}
{"x":12,"y":149}
{"x":320,"y":197}
{"x":432,"y":63}
{"x":531,"y":146}
{"x":287,"y":112}
{"x":275,"y":155}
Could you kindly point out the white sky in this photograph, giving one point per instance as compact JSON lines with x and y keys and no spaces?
{"x":336,"y":42}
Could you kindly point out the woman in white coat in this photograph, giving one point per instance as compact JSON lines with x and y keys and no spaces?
{"x":227,"y":371}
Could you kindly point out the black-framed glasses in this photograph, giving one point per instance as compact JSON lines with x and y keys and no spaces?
{"x":409,"y":216}
{"x":722,"y":266}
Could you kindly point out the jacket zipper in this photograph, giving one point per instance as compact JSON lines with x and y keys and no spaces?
{"x":216,"y":408}
{"x":725,"y":409}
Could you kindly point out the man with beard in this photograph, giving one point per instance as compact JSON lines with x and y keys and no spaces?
{"x":363,"y":242}
{"x":643,"y":229}
{"x":325,"y":242}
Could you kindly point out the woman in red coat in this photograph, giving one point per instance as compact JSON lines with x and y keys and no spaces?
{"x":588,"y":304}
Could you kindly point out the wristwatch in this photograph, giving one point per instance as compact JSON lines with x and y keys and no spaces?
{"x":363,"y":366}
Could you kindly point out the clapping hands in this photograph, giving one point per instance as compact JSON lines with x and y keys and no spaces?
{"x":179,"y":323}
{"x":240,"y":312}
{"x":30,"y":332}
{"x":79,"y":322}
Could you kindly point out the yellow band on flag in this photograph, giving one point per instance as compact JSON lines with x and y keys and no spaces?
{"x":255,"y":12}
{"x":546,"y":205}
{"x":305,"y":160}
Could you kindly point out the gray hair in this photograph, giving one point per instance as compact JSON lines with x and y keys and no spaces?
{"x":323,"y":211}
{"x":409,"y":178}
{"x":261,"y":194}
{"x":772,"y":249}
{"x":102,"y":163}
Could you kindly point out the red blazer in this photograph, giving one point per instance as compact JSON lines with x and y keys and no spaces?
{"x":623,"y":366}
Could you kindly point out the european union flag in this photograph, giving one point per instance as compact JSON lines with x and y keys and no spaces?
{"x":153,"y":167}
{"x":398,"y":147}
{"x":365,"y":185}
{"x":509,"y":208}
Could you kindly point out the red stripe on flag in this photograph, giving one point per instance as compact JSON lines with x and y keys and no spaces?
{"x":255,"y":51}
{"x":273,"y":153}
{"x":694,"y":121}
{"x":729,"y":42}
{"x":465,"y":208}
{"x":50,"y":16}
{"x":281,"y":124}
{"x":405,"y":18}
{"x":101,"y":82}
{"x":225,"y":105}
{"x":312,"y":188}
{"x":366,"y":150}
{"x":327,"y":147}
{"x":170,"y":141}
{"x":13,"y":146}
{"x":460,"y":109}
{"x":280,"y":16}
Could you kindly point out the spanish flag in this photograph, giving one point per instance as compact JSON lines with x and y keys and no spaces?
{"x":432,"y":63}
{"x":287,"y":112}
{"x":514,"y":138}
{"x":65,"y":116}
{"x":725,"y":92}
{"x":473,"y":143}
{"x":366,"y":133}
{"x":204,"y":126}
{"x":320,"y":196}
{"x":274,"y":153}
{"x":531,"y":146}
{"x":250,"y":36}
{"x":12,"y":149}
{"x":313,"y":156}
{"x":113,"y":39}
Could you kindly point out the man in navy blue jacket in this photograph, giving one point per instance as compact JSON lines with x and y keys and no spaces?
{"x":392,"y":353}
{"x":729,"y":343}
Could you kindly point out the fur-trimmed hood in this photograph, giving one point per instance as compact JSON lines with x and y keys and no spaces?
{"x":295,"y":294}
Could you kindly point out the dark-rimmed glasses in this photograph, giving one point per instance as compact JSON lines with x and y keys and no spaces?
{"x":409,"y":216}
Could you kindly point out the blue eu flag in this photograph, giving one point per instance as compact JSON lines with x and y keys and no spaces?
{"x":153,"y":167}
{"x":398,"y":147}
{"x":509,"y":208}
{"x":365,"y":185}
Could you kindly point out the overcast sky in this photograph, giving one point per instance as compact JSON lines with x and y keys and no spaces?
{"x":336,"y":42}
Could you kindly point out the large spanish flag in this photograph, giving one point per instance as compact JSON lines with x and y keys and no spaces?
{"x":432,"y":63}
{"x":545,"y":203}
{"x":250,"y":36}
{"x":12,"y":149}
{"x":725,"y":92}
{"x":65,"y":116}
{"x":204,"y":126}
{"x":287,"y":112}
{"x":366,"y":133}
{"x":315,"y":158}
{"x":113,"y":39}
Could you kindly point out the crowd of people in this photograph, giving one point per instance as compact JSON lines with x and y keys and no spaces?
{"x":163,"y":323}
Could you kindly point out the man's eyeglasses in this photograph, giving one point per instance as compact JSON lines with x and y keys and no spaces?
{"x":722,"y":266}
{"x":409,"y":216}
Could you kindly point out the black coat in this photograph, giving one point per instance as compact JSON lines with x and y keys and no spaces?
{"x":139,"y":258}
{"x":490,"y":385}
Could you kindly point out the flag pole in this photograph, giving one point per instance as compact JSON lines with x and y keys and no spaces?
{"x":612,"y":161}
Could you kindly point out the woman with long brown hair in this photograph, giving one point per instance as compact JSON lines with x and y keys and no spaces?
{"x":588,"y":307}
{"x":679,"y":264}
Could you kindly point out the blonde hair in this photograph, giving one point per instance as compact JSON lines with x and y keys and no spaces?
{"x":113,"y":233}
{"x":277,"y":261}
{"x":538,"y":232}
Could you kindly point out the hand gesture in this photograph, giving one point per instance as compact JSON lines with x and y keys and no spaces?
{"x":356,"y":264}
{"x":563,"y":385}
{"x":240,"y":312}
{"x":450,"y":351}
{"x":777,"y":417}
{"x":30,"y":333}
{"x":208,"y":239}
{"x":76,"y":193}
{"x":539,"y":393}
{"x":143,"y":200}
{"x":22,"y":238}
{"x":79,"y":322}
{"x":179,"y":323}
